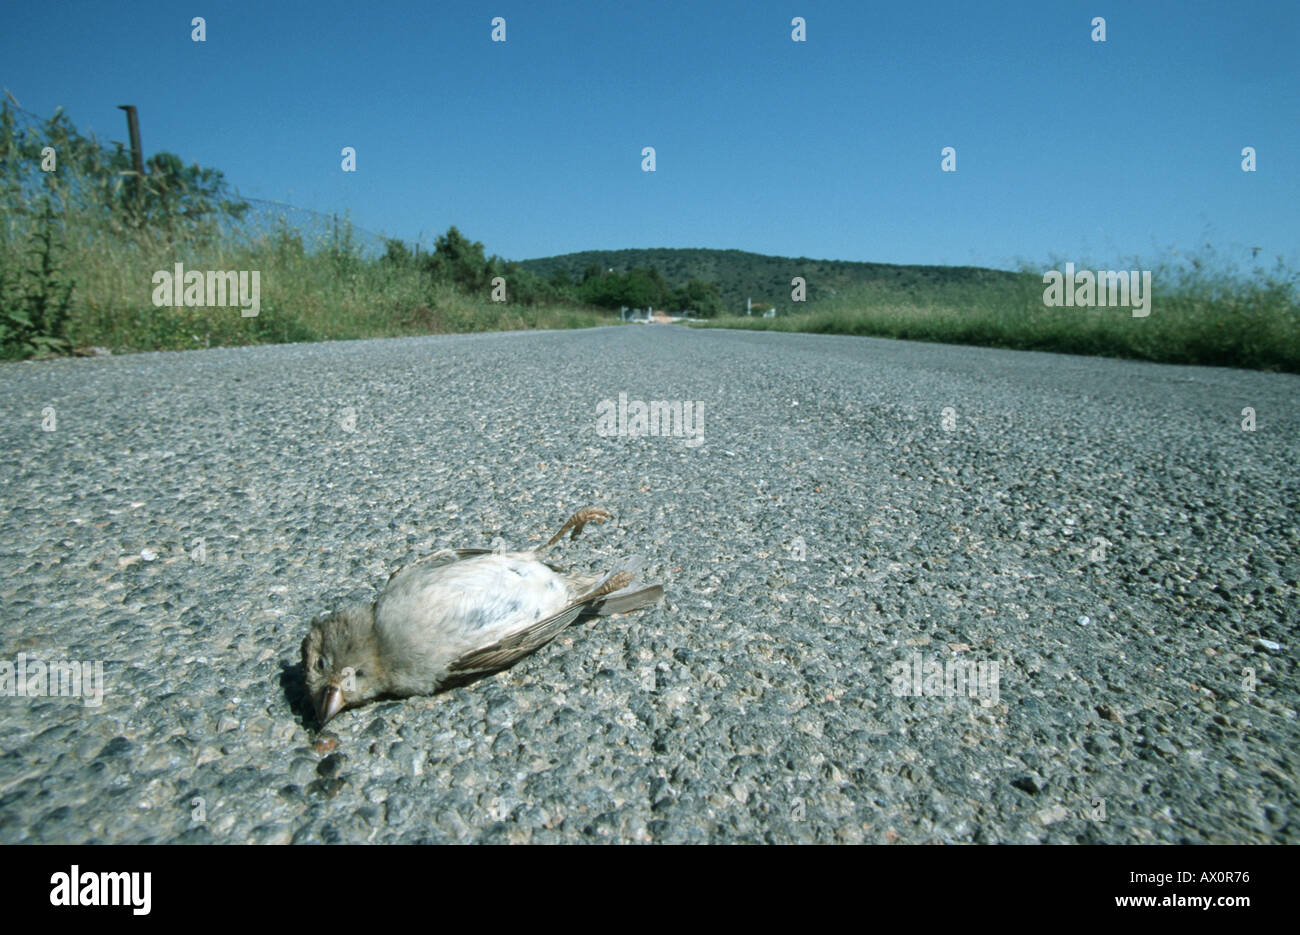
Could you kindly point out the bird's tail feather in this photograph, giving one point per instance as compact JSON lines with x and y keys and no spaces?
{"x":624,"y":601}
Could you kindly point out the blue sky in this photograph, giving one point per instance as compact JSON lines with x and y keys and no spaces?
{"x":829,"y":148}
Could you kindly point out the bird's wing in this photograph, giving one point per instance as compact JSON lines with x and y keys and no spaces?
{"x":440,"y":558}
{"x":449,"y":556}
{"x":633,"y":595}
{"x":510,"y":649}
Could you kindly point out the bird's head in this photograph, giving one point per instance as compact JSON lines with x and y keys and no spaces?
{"x":340,"y":661}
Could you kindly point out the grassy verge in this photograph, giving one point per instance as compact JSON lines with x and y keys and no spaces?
{"x":306,"y":295}
{"x":70,"y":279}
{"x":1199,"y":315}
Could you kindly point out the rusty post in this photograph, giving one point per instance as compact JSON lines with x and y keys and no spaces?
{"x":137,"y":153}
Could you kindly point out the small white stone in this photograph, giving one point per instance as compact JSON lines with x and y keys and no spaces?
{"x":1055,"y":813}
{"x":148,"y":554}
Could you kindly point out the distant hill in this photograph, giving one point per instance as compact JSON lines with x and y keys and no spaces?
{"x":765,"y":279}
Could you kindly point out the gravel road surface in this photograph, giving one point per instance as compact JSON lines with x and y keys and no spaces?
{"x":915,"y":593}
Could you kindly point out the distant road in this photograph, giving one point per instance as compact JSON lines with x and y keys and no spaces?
{"x":859,"y":514}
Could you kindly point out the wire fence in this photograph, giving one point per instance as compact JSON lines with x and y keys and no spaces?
{"x":262,"y":217}
{"x":266,"y":216}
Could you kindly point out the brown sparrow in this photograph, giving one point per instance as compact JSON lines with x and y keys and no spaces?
{"x":455,"y":614}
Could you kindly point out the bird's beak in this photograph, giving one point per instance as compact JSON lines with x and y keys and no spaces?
{"x":330,"y":704}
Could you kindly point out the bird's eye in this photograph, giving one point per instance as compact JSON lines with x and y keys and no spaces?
{"x":359,"y":673}
{"x":320,"y":664}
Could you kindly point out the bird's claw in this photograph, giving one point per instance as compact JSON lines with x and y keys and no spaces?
{"x":591,"y":514}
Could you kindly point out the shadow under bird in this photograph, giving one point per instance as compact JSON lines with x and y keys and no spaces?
{"x":457,"y":614}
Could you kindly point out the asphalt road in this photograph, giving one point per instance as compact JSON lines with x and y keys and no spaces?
{"x":1104,"y":549}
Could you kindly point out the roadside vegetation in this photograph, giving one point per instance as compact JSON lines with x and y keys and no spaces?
{"x":82,"y":235}
{"x":1202,"y":312}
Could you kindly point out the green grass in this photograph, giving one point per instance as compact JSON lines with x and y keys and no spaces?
{"x":308,"y":293}
{"x":1199,"y":315}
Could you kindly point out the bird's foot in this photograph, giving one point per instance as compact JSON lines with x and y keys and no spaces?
{"x":591,"y":514}
{"x":615,"y":583}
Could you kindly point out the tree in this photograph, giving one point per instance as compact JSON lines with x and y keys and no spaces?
{"x":698,"y":296}
{"x":181,"y":199}
{"x":459,"y":260}
{"x":644,"y":287}
{"x":396,"y":253}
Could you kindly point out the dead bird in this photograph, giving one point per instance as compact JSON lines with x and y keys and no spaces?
{"x":455,"y":614}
